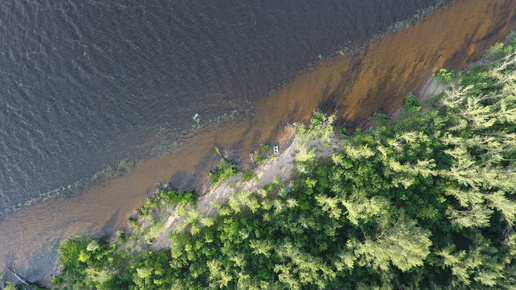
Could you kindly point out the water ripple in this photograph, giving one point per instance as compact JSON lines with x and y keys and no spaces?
{"x":83,"y":83}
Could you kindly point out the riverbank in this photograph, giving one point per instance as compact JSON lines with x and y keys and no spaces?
{"x":192,"y":74}
{"x":376,"y":79}
{"x":281,"y":167}
{"x":424,"y":201}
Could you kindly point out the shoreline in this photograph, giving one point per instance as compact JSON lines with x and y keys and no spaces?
{"x":322,"y":88}
{"x":283,"y":166}
{"x":395,"y":198}
{"x":111,"y":171}
{"x":266,"y":172}
{"x":121,"y":167}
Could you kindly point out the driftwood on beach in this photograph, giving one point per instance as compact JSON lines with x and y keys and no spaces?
{"x":20,"y":278}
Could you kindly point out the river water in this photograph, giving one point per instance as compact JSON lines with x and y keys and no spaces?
{"x":86,"y":84}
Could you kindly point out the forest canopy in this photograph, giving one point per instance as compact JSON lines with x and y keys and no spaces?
{"x":426,"y":201}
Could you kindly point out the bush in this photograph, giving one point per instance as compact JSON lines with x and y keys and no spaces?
{"x":224,"y":170}
{"x":445,"y":76}
{"x":172,"y":197}
{"x":411,"y":106}
{"x":264,"y":153}
{"x":250,"y":175}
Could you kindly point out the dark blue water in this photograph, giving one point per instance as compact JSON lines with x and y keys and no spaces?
{"x":87,"y":83}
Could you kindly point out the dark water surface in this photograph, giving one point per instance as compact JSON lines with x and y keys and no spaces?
{"x":91,"y":83}
{"x":84,"y":83}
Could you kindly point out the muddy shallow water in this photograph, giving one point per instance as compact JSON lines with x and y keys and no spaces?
{"x":375,"y":79}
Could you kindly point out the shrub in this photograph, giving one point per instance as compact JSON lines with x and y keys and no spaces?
{"x":250,"y":175}
{"x":224,"y":170}
{"x":445,"y":76}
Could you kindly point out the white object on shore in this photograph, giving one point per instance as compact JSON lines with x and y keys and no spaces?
{"x":197,"y":118}
{"x":276,"y":149}
{"x":18,"y":276}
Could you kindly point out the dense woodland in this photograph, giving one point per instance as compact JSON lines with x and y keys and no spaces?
{"x":426,"y":201}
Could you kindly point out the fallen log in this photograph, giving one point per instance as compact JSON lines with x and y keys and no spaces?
{"x":20,"y":278}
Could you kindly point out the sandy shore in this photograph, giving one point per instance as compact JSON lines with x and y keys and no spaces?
{"x":279,"y":166}
{"x":282,"y":166}
{"x":374,"y":80}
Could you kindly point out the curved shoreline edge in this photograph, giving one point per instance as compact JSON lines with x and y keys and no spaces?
{"x":111,"y":171}
{"x":411,"y":202}
{"x":96,"y":220}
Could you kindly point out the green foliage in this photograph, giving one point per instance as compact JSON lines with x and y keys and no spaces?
{"x":250,"y":176}
{"x":309,"y":140}
{"x":411,"y":106}
{"x":83,"y":261}
{"x":172,"y":197}
{"x":10,"y":286}
{"x":225,"y":169}
{"x":500,"y":50}
{"x":263,"y":154}
{"x":165,"y":198}
{"x":318,"y":119}
{"x":445,"y":76}
{"x":428,"y":201}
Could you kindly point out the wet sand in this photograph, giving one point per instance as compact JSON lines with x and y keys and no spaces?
{"x":376,"y":79}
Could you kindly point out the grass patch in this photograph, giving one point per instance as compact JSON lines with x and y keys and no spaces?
{"x":249,"y":176}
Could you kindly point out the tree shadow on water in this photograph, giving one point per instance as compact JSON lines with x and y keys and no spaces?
{"x":109,"y":226}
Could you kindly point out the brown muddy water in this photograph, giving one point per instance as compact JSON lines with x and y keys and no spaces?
{"x":374,"y":79}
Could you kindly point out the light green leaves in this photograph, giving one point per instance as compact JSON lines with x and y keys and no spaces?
{"x":405,"y":245}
